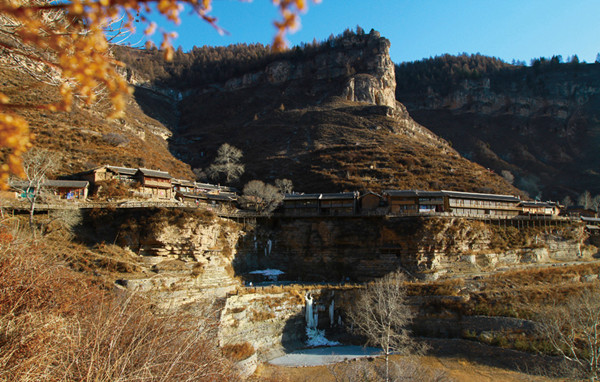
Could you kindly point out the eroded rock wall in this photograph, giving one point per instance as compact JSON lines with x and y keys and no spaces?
{"x":360,"y":249}
{"x":187,"y":255}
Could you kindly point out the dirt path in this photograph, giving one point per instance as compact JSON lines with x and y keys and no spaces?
{"x":459,"y":360}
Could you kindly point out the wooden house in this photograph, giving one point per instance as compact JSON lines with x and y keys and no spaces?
{"x":214,"y":188}
{"x":183,"y":185}
{"x":103,"y":173}
{"x":301,"y":204}
{"x":343,"y":203}
{"x":536,"y":208}
{"x":576,"y":211}
{"x":409,"y":202}
{"x":370,"y":202}
{"x":476,"y":204}
{"x":155,"y":184}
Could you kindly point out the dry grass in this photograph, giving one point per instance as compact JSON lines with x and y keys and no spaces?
{"x":238,"y":352}
{"x":56,"y":324}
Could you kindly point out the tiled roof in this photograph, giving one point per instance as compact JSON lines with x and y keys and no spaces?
{"x":414,"y":193}
{"x":155,"y":173}
{"x":301,"y":197}
{"x":340,"y":195}
{"x":122,"y":170}
{"x":537,"y":204}
{"x":478,"y":196}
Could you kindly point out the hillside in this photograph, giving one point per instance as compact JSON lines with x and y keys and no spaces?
{"x":85,"y":138}
{"x":540,"y":123}
{"x":324,"y":116}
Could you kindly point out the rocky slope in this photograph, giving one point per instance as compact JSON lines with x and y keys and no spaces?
{"x":84,"y":137}
{"x":540,"y":123}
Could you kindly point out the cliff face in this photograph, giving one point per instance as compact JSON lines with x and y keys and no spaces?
{"x":186,"y":256}
{"x":541,"y":124}
{"x":362,"y":249}
{"x":360,"y":66}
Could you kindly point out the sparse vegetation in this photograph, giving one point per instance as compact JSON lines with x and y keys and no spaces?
{"x":61,"y":325}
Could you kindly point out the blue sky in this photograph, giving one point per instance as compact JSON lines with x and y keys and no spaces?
{"x":509,"y":29}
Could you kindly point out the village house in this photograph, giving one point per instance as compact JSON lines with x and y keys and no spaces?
{"x":184,"y":186}
{"x":575,"y":211}
{"x":301,"y":204}
{"x":343,"y":203}
{"x":536,"y":208}
{"x":155,"y":184}
{"x":103,"y":173}
{"x":370,"y":202}
{"x":476,"y":204}
{"x":409,"y":202}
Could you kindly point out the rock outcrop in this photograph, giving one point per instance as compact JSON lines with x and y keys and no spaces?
{"x":188,"y":256}
{"x":361,"y":63}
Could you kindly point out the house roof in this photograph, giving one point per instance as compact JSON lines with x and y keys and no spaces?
{"x":121,"y":170}
{"x":592,"y":220}
{"x":339,"y":195}
{"x":183,"y":182}
{"x":223,"y":196}
{"x":478,"y":196}
{"x":370,"y":193}
{"x":538,"y":204}
{"x":414,"y":193}
{"x":209,"y":186}
{"x":301,"y":197}
{"x":155,"y":173}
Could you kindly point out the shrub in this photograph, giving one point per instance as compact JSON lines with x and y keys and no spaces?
{"x":238,"y":352}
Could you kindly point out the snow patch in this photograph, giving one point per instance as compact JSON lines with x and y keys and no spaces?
{"x":317,"y":338}
{"x":271,"y":274}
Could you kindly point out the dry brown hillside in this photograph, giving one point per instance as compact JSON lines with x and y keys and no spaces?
{"x":85,"y":138}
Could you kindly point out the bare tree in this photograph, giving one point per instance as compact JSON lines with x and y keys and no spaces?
{"x":573,"y":330}
{"x":567,"y":201}
{"x":200,"y":174}
{"x":285,"y":186}
{"x":381,"y":315}
{"x":585,"y":199}
{"x":264,"y":197}
{"x":596,"y":203}
{"x":508,"y":176}
{"x":37,"y":164}
{"x":227,"y":163}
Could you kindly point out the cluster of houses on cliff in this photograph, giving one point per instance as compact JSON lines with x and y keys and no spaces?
{"x":417,"y":202}
{"x":145,"y":183}
{"x":160,"y":185}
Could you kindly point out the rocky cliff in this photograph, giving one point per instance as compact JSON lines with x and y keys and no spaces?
{"x":539,"y":123}
{"x":185,"y":255}
{"x":360,"y":249}
{"x":359,"y":65}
